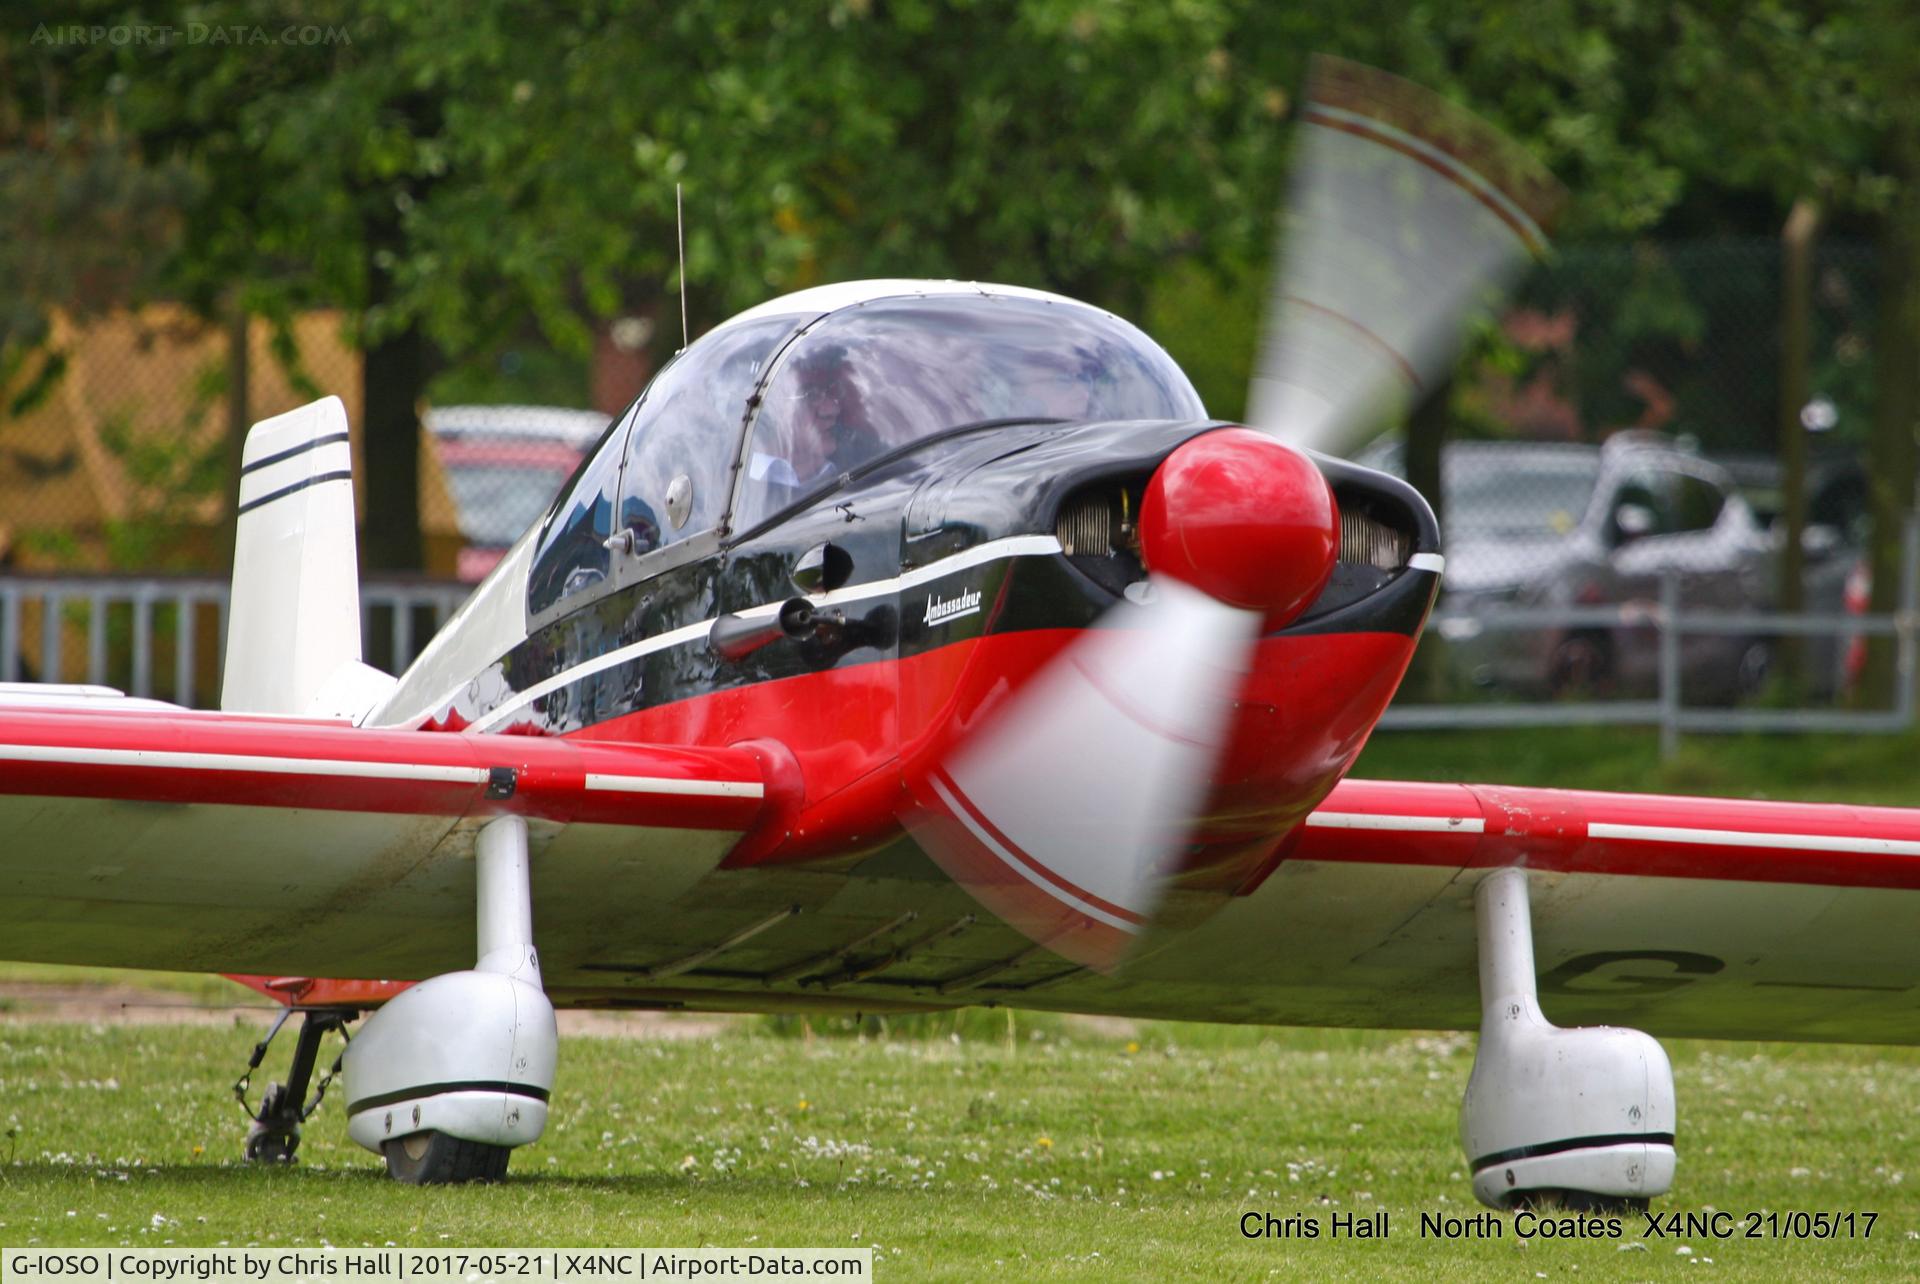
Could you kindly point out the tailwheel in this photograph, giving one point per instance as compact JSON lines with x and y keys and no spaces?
{"x":436,"y":1159}
{"x":273,"y":1136}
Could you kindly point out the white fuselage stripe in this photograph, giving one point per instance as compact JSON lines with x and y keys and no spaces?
{"x":1428,"y":562}
{"x":1740,"y":838}
{"x":689,"y":788}
{"x":978,"y":555}
{"x":1398,"y":824}
{"x":621,"y":655}
{"x":183,"y":761}
{"x":1007,"y":858}
{"x":994,"y":550}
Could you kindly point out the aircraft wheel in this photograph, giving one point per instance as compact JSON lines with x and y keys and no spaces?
{"x":1756,"y":665}
{"x":1580,"y":666}
{"x":1576,"y":1201}
{"x":264,"y":1147}
{"x":435,"y":1159}
{"x":275,"y":1133}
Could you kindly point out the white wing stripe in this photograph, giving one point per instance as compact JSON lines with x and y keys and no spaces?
{"x":182,"y":761}
{"x":1398,"y":824}
{"x":664,"y":785}
{"x":1741,"y":838}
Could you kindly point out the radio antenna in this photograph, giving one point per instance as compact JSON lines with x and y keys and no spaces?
{"x":680,"y":235}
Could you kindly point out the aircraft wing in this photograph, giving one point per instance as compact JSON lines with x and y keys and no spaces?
{"x":156,"y":837}
{"x":1681,"y":916}
{"x":288,"y":847}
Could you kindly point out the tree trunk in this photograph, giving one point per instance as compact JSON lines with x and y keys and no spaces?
{"x":393,"y":384}
{"x":1426,"y":437}
{"x":394,"y":381}
{"x":1892,"y":454}
{"x":239,"y":422}
{"x":1796,"y":306}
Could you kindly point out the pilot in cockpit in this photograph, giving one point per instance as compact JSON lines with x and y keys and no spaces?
{"x":815,"y":426}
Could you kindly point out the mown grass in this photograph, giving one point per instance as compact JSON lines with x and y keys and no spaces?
{"x":1052,"y":1152}
{"x":195,"y":987}
{"x":1859,"y":769}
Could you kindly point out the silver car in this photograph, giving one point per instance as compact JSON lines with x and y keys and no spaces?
{"x":1549,"y":525}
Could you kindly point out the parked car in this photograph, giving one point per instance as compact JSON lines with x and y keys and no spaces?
{"x":1834,"y":569}
{"x":1554,"y":525}
{"x":504,"y":465}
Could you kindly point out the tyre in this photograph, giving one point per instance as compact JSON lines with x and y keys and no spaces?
{"x":435,"y":1159}
{"x":275,"y":1133}
{"x":1580,"y":666}
{"x":269,"y":1147}
{"x":1576,"y":1201}
{"x":1755,"y":667}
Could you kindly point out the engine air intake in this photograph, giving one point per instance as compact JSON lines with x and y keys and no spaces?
{"x":1366,"y":541}
{"x":1086,"y":523}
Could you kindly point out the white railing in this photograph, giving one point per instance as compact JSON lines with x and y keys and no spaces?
{"x":165,"y":636}
{"x":1671,"y":621}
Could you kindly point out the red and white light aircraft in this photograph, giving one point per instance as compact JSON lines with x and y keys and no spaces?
{"x":913,"y":644}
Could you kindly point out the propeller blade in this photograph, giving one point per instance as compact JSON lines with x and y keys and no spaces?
{"x":1404,"y":214}
{"x":1062,"y":818}
{"x":1066,"y":810}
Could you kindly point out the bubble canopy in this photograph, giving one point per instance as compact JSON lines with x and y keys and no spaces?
{"x":824,"y":382}
{"x":869,"y":379}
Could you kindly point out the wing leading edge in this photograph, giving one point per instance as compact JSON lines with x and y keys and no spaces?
{"x":211,"y":841}
{"x":1638,"y":835}
{"x":1683,"y":916}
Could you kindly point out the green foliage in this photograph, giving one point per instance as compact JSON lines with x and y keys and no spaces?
{"x":503,"y":178}
{"x":1209,"y":322}
{"x":85,"y":224}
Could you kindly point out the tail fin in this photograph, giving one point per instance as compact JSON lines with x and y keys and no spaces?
{"x":293,"y":624}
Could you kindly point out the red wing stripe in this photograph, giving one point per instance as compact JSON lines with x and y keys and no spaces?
{"x":1630,"y":835}
{"x":184,"y":758}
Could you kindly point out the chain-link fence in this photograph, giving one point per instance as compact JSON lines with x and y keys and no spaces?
{"x":1620,"y":438}
{"x":118,"y":436}
{"x":118,"y":442}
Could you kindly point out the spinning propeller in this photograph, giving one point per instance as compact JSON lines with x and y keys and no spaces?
{"x":1069,"y":807}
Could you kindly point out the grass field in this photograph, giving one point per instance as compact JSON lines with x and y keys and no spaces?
{"x":1862,"y":769}
{"x":978,"y":1146}
{"x":1055,"y":1151}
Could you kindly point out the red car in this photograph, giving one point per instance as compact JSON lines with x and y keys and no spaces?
{"x":503,"y":465}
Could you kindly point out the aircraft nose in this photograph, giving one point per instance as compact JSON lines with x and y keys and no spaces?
{"x":1246,"y":520}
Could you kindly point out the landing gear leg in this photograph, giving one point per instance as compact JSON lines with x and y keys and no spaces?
{"x":1578,"y":1118}
{"x":451,"y":1075}
{"x":274,"y":1136}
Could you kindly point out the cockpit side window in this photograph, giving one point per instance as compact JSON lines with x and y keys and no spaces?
{"x":686,"y":436}
{"x":873,"y":378}
{"x":573,"y":548}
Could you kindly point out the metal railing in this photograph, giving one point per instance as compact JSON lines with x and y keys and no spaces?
{"x":1671,"y":622}
{"x":165,"y":636}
